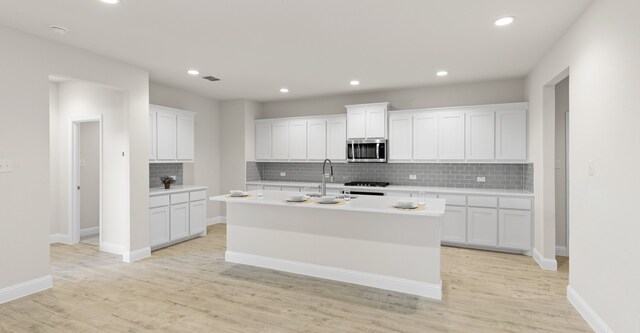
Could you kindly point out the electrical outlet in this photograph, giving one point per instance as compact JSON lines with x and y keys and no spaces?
{"x":481,"y":179}
{"x":283,"y":174}
{"x":413,"y":177}
{"x":6,"y":165}
{"x":174,"y":177}
{"x":592,"y":168}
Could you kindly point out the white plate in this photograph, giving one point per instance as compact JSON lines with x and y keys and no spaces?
{"x":297,"y":199}
{"x":405,"y":205}
{"x":237,"y":193}
{"x":244,"y":194}
{"x":325,"y":202}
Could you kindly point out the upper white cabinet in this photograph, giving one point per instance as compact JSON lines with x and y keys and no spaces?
{"x":172,"y":135}
{"x":488,"y":133}
{"x":425,"y":136}
{"x":400,"y":147}
{"x":451,"y":135}
{"x":316,"y":139}
{"x":298,"y":140}
{"x":301,"y":139}
{"x":480,"y":132}
{"x":280,"y":141}
{"x":337,"y":138}
{"x":511,"y":135}
{"x":367,"y":121}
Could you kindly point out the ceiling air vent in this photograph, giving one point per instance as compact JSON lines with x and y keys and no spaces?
{"x":211,"y":78}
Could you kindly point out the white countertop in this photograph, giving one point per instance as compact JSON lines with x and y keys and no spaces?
{"x":400,"y":188}
{"x":369,"y":204}
{"x":175,"y":189}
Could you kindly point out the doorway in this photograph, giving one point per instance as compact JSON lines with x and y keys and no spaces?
{"x":562,"y":166}
{"x":86,"y":180}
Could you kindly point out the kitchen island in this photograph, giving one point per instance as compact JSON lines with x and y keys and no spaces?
{"x":364,"y":241}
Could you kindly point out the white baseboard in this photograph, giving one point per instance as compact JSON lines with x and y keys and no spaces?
{"x":89,"y":231}
{"x":561,"y":251}
{"x":429,"y":290}
{"x":112,"y":248}
{"x":59,"y":238}
{"x":592,"y":318}
{"x":25,"y":288}
{"x":545,"y":263}
{"x":216,"y":220}
{"x":136,"y":255}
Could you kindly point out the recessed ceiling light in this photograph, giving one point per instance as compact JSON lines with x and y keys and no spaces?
{"x":442,"y":73}
{"x":354,"y":82}
{"x":501,"y":22}
{"x":284,"y":90}
{"x":58,"y":30}
{"x":111,"y":2}
{"x":193,"y":72}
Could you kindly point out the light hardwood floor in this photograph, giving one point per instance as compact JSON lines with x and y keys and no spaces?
{"x":190,"y":288}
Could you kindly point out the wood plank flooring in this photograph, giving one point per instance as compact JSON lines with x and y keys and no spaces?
{"x":190,"y":288}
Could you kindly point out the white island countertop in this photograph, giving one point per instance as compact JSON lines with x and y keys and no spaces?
{"x":369,"y":204}
{"x":405,"y":188}
{"x":175,"y":189}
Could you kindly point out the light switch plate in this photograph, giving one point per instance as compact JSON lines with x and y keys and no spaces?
{"x":283,"y":174}
{"x":413,"y":177}
{"x":481,"y":179}
{"x":6,"y":165}
{"x":592,"y":168}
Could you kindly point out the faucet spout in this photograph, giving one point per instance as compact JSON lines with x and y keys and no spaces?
{"x":325,"y":175}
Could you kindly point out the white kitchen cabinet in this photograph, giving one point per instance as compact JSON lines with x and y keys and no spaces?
{"x":263,"y":141}
{"x":454,"y":224}
{"x":254,"y":187}
{"x":159,"y":225}
{"x":197,"y":217}
{"x":290,"y":189}
{"x":272,"y":188}
{"x":425,"y":136}
{"x":451,"y":135}
{"x":400,"y":137}
{"x":337,"y":138}
{"x":402,"y":194}
{"x":511,"y":135}
{"x":480,"y":136}
{"x":298,"y":140}
{"x":185,"y":134}
{"x":515,"y":229}
{"x":179,"y":221}
{"x":166,"y":134}
{"x":316,"y":139}
{"x":367,"y":121}
{"x":152,"y":135}
{"x":280,"y":141}
{"x":482,"y":226}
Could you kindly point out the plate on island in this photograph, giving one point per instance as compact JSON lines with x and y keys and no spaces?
{"x":238,"y":194}
{"x":297,"y":198}
{"x":328,"y":200}
{"x":405,"y":205}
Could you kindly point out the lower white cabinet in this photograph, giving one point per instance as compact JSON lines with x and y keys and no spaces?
{"x":482,"y":226}
{"x":253,"y":187}
{"x":515,"y":229}
{"x":158,"y":226}
{"x":454,"y":224}
{"x":176,"y":217}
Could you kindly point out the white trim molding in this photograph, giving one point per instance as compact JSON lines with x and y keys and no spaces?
{"x":25,"y":288}
{"x":545,"y":263}
{"x":407,"y":286}
{"x":216,"y":220}
{"x":59,"y":238}
{"x":592,"y":318}
{"x":112,"y":248}
{"x":132,"y":256}
{"x":561,"y":251}
{"x":89,"y":231}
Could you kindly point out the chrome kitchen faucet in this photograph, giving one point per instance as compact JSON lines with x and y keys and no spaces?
{"x":325,"y":175}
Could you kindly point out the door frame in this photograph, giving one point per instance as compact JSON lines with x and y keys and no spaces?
{"x":567,"y":118}
{"x":74,"y":176}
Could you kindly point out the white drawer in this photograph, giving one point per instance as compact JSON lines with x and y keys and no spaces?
{"x":475,"y":201}
{"x":197,"y":195}
{"x":515,"y":203}
{"x":158,"y":201}
{"x":454,"y":200}
{"x":179,"y":198}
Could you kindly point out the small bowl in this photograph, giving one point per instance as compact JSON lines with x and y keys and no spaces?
{"x":297,"y":197}
{"x":405,"y":203}
{"x":236,"y":192}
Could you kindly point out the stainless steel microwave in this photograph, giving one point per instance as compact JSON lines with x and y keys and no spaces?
{"x":367,"y":151}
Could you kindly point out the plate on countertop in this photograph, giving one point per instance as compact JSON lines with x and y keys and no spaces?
{"x":406,"y":205}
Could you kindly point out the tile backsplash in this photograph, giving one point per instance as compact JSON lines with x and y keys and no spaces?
{"x":157,"y":170}
{"x":504,"y":176}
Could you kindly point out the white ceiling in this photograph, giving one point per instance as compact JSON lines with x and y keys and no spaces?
{"x":313,"y":47}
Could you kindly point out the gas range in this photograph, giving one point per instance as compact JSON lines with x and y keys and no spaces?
{"x":367,"y":184}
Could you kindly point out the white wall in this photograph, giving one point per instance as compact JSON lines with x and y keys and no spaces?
{"x":602,"y":51}
{"x":25,"y":64}
{"x":54,"y":204}
{"x":492,"y":92}
{"x":562,"y":107}
{"x":206,"y":169}
{"x":89,"y":175}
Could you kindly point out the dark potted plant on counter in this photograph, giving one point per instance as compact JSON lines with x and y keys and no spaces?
{"x":167,"y":181}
